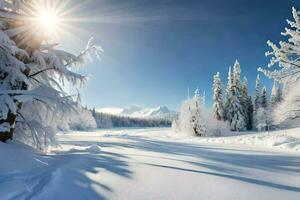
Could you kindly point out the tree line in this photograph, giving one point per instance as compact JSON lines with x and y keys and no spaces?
{"x":237,"y":107}
{"x":104,"y":120}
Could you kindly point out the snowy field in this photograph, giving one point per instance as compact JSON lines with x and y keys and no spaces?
{"x":154,"y":164}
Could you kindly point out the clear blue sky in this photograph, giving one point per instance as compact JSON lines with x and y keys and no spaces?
{"x":155,"y":50}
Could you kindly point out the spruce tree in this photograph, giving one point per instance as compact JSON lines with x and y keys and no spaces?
{"x":250,"y":114}
{"x":218,"y":109}
{"x":257,"y":94}
{"x":237,"y":76}
{"x":279,"y":96}
{"x":235,"y":111}
{"x":248,"y":106}
{"x":274,"y":95}
{"x":198,"y":123}
{"x":229,"y":92}
{"x":263,"y":121}
{"x":256,"y":104}
{"x":264,"y":98}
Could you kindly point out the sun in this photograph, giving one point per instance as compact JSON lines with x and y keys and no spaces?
{"x":48,"y":20}
{"x":46,"y":17}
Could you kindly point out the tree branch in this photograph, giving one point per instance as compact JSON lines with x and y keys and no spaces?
{"x":39,"y":72}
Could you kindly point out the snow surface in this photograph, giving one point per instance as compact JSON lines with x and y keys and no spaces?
{"x":154,"y":164}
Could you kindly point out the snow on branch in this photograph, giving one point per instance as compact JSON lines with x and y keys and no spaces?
{"x":286,"y":54}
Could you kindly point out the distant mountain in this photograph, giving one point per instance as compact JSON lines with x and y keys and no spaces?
{"x":110,"y":110}
{"x":162,"y":112}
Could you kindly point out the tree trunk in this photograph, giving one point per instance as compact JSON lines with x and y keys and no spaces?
{"x":11,"y":119}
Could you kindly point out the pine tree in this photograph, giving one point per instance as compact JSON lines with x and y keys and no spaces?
{"x":198,"y":123}
{"x":257,"y":94}
{"x":250,"y":114}
{"x":274,"y":96}
{"x":264,"y":98}
{"x":247,"y":101}
{"x":237,"y":77}
{"x":279,"y":96}
{"x":262,"y":114}
{"x":191,"y":117}
{"x":235,"y":111}
{"x":218,"y":109}
{"x":256,"y":104}
{"x":229,"y":93}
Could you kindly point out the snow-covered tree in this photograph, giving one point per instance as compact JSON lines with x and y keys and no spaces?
{"x":237,"y":77}
{"x":218,"y":109}
{"x":198,"y":122}
{"x":183,"y":124}
{"x":275,"y":100}
{"x":264,"y":98}
{"x":256,"y":103}
{"x":286,"y":54}
{"x":235,"y":115}
{"x":288,"y":110}
{"x":263,"y":116}
{"x":257,"y":93}
{"x":262,"y":119}
{"x":279,"y":95}
{"x":31,"y":77}
{"x":247,"y":104}
{"x":80,"y":119}
{"x":192,"y":116}
{"x":276,"y":96}
{"x":229,"y":92}
{"x":235,"y":111}
{"x":273,"y":96}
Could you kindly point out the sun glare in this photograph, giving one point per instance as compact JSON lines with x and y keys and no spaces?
{"x":48,"y":20}
{"x":51,"y":20}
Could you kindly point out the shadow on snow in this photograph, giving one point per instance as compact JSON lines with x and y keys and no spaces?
{"x":222,"y":162}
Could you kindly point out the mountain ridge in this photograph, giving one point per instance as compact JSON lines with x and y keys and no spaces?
{"x":141,"y":112}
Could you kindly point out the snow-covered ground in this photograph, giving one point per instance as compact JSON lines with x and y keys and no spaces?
{"x":154,"y":164}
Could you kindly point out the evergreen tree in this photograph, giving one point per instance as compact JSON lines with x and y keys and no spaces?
{"x":273,"y":98}
{"x":198,"y":123}
{"x":229,"y":93}
{"x":256,"y":105}
{"x":235,"y":110}
{"x":264,"y":98}
{"x":257,"y":94}
{"x":218,"y":109}
{"x":248,"y":106}
{"x":250,"y":114}
{"x":191,"y":117}
{"x":237,"y":76}
{"x":262,"y":114}
{"x":279,"y":96}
